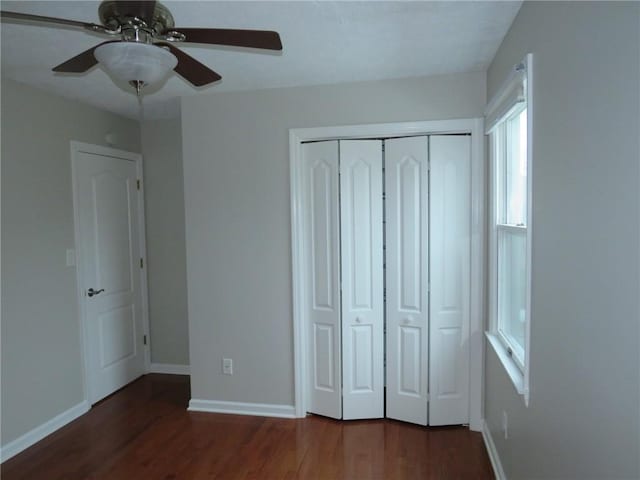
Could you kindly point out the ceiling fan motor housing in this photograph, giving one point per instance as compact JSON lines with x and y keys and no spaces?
{"x":117,"y":15}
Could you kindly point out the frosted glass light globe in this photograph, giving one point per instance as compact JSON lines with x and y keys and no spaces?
{"x":136,"y":62}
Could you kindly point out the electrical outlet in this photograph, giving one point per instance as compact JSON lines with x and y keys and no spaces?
{"x":227,"y":366}
{"x":505,"y":424}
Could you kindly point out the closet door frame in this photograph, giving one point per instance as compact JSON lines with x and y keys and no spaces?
{"x":297,"y":136}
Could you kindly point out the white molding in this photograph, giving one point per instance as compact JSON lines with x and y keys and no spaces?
{"x":389,"y":130}
{"x":142,"y":238}
{"x":492,"y":452}
{"x":170,"y":368}
{"x":47,"y":428}
{"x":76,"y":148}
{"x":241,"y":408}
{"x":520,"y":379}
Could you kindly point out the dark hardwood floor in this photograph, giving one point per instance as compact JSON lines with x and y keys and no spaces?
{"x":145,"y":432}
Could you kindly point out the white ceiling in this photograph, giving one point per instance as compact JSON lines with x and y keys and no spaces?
{"x":325,"y":42}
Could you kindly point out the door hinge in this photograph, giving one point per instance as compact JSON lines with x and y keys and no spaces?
{"x":144,"y":339}
{"x":141,"y":263}
{"x":138,"y":184}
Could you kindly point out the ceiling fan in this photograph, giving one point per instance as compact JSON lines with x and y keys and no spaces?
{"x":144,"y":51}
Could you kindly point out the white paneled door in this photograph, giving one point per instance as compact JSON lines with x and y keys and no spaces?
{"x":322,"y":248}
{"x":419,"y":299}
{"x":109,"y":251}
{"x":407,"y":277}
{"x":449,"y":254}
{"x":362,"y":279}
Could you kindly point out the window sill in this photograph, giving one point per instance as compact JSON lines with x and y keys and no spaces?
{"x":513,"y":372}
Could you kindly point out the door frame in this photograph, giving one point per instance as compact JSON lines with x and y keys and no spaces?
{"x":473,"y":126}
{"x":76,"y":149}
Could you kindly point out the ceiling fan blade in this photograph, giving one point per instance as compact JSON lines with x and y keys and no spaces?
{"x":265,"y":39}
{"x":190,"y":69}
{"x":80,"y":63}
{"x":8,"y":16}
{"x":142,"y":9}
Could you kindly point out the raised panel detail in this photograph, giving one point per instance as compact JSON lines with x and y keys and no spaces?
{"x":117,"y":335}
{"x":362,"y":355}
{"x":113,"y":233}
{"x":451,"y":238}
{"x":321,"y":235}
{"x":450,"y":279}
{"x":323,"y":356}
{"x":362,"y":278}
{"x":409,"y":234}
{"x":361,"y":204}
{"x":407,"y":243}
{"x":448,"y":364}
{"x":322,"y":285}
{"x":410,"y":361}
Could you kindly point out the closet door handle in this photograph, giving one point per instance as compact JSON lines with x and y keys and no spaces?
{"x":358,"y":320}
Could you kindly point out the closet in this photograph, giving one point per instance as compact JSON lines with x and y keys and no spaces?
{"x":387,"y":241}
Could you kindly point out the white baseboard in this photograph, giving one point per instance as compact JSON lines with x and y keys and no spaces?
{"x":25,"y":441}
{"x":170,"y":368}
{"x":493,"y":452}
{"x":239,"y":408}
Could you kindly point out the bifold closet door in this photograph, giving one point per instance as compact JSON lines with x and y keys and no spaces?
{"x":362,"y":279}
{"x":449,"y":252}
{"x":322,"y":254}
{"x":407,"y":268}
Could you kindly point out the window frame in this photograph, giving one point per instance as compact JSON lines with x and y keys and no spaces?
{"x":514,"y":96}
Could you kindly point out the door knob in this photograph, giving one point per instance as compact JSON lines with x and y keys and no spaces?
{"x":91,"y":292}
{"x":358,"y":319}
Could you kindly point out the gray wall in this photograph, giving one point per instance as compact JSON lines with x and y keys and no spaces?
{"x":583,"y":419}
{"x":41,"y":360}
{"x":166,"y":257}
{"x":236,"y":175}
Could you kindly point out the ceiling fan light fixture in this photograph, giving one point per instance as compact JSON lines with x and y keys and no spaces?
{"x":136,"y":62}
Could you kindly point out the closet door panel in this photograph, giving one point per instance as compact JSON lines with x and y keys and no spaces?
{"x":449,"y":252}
{"x":323,"y":282}
{"x":362,"y":278}
{"x":407,"y":262}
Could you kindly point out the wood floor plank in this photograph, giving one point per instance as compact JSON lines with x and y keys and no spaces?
{"x":145,"y":432}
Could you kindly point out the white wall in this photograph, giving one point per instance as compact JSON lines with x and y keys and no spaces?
{"x":583,"y":420}
{"x":166,"y":257}
{"x":41,"y":361}
{"x":236,"y":176}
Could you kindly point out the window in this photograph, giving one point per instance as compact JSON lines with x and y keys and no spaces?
{"x":508,"y":118}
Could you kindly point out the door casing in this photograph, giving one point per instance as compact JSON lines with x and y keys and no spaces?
{"x":473,"y":126}
{"x":76,"y":149}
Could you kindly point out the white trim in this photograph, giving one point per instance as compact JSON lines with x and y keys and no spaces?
{"x":170,"y":368}
{"x":507,"y":97}
{"x":47,"y":428}
{"x":528,"y":60}
{"x":492,"y":452}
{"x":521,"y":378}
{"x":143,"y":271}
{"x":509,"y":364}
{"x":241,"y":408}
{"x":477,"y":278}
{"x":76,"y":148}
{"x":299,"y":274}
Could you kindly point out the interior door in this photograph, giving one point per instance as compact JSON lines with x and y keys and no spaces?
{"x":322,"y":247}
{"x":450,"y":221}
{"x":362,"y":279}
{"x":109,"y":252}
{"x":407,"y":282}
